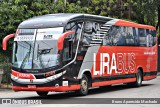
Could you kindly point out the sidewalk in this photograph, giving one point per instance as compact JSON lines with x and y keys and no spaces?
{"x":4,"y":87}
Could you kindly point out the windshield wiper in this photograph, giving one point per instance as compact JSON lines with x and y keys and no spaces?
{"x":27,"y":56}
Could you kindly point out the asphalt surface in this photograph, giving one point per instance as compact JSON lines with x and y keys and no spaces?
{"x":96,"y":97}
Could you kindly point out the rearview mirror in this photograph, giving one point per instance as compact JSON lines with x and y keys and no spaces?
{"x":61,"y":39}
{"x":5,"y":40}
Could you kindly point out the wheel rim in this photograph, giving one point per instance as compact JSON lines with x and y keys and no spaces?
{"x":84,"y":85}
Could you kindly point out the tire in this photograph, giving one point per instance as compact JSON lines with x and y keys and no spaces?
{"x":138,"y":82}
{"x":84,"y":85}
{"x":42,"y":94}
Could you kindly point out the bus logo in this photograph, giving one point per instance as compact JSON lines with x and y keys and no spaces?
{"x":117,"y":63}
{"x":47,"y":37}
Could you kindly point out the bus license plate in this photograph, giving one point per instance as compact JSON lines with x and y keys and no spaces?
{"x":31,"y":86}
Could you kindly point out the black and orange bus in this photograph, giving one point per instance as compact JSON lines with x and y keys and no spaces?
{"x":74,"y":52}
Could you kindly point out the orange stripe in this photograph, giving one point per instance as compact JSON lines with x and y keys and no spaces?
{"x":149,"y":77}
{"x":132,"y":24}
{"x":96,"y":84}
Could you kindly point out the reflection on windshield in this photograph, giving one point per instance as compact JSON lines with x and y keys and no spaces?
{"x":38,"y":53}
{"x":23,"y":52}
{"x":46,"y":54}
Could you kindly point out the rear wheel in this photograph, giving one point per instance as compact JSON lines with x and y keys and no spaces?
{"x":138,"y":82}
{"x":84,"y":84}
{"x":42,"y":94}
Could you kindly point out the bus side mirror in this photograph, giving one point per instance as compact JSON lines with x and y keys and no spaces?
{"x":5,"y":40}
{"x":61,"y":39}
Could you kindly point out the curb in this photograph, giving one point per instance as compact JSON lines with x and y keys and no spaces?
{"x":5,"y":89}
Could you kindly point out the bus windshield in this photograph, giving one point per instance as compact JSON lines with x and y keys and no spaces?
{"x":36,"y":49}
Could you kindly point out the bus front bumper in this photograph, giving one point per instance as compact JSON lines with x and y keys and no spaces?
{"x":51,"y":88}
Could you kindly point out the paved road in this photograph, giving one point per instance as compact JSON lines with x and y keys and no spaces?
{"x":149,"y":89}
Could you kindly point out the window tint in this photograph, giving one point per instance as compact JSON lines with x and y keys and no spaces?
{"x":130,"y":39}
{"x":153,"y":33}
{"x":116,"y":36}
{"x":149,"y":38}
{"x":135,"y":35}
{"x":121,"y":36}
{"x":142,"y":37}
{"x":130,"y":36}
{"x":71,"y":41}
{"x":108,"y":37}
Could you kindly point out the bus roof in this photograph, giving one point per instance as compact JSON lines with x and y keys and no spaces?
{"x":56,"y":20}
{"x":61,"y":19}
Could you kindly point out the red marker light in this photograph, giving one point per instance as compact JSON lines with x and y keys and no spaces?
{"x":79,"y":57}
{"x":49,"y":74}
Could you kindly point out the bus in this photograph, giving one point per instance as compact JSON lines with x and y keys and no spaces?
{"x":75,"y":52}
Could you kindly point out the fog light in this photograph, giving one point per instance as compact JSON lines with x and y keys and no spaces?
{"x":57,"y":85}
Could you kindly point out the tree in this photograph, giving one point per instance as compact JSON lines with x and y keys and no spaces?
{"x":13,"y":12}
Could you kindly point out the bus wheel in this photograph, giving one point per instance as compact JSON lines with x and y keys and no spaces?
{"x":84,"y":85}
{"x":42,"y":94}
{"x":138,"y":82}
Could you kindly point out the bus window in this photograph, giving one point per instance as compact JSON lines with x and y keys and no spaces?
{"x":142,"y":37}
{"x":153,"y":33}
{"x":71,"y":41}
{"x":67,"y":53}
{"x":119,"y":36}
{"x":149,"y":38}
{"x":129,"y":37}
{"x":135,"y":35}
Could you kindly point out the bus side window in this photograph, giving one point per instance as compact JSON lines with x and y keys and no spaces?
{"x":114,"y":35}
{"x":67,"y":52}
{"x":71,"y":41}
{"x":119,"y":36}
{"x":149,"y":38}
{"x":129,"y":37}
{"x":142,"y":37}
{"x":135,"y":34}
{"x":153,"y":33}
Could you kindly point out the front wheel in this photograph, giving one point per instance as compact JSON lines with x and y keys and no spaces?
{"x":83,"y":85}
{"x":42,"y":94}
